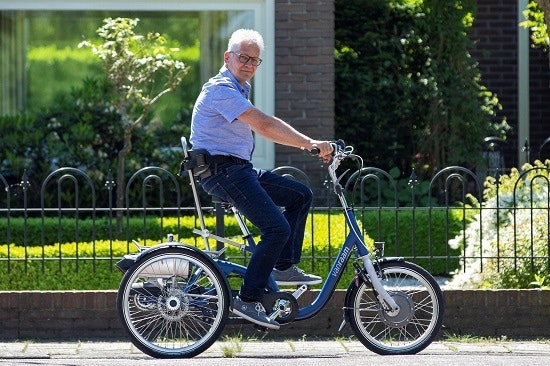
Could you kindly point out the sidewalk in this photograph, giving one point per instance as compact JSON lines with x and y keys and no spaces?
{"x":227,"y":348}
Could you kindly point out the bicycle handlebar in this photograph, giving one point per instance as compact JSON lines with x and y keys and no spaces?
{"x":341,"y":152}
{"x":337,"y":146}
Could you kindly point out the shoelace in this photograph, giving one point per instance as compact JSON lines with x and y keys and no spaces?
{"x":259,"y":308}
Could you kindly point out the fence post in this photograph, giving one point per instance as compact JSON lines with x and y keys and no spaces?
{"x":413,"y":182}
{"x":25,"y":185}
{"x":110,"y":184}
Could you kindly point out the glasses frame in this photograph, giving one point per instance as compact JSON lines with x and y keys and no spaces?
{"x":243,"y":59}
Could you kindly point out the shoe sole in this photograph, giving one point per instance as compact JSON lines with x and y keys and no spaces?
{"x":295,"y":283}
{"x":255,"y":321}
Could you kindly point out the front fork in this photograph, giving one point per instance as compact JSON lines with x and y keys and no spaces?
{"x":371,"y":274}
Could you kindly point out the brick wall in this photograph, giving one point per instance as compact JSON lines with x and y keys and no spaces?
{"x":495,"y":313}
{"x":59,"y":314}
{"x":304,"y":91}
{"x":305,"y":74}
{"x":539,"y":96}
{"x":92,"y":315}
{"x":495,"y":31}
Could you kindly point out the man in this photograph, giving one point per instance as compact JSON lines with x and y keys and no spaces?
{"x":223,"y":123}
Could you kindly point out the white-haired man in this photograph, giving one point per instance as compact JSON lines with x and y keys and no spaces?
{"x":223,"y":123}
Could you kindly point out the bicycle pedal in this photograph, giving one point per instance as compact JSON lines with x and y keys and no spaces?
{"x":300,"y":289}
{"x":274,"y":314}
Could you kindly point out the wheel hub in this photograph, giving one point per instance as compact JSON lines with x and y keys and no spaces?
{"x":173,"y":306}
{"x":405,"y":313}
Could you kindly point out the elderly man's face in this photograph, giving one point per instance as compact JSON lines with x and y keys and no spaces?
{"x":235,"y":61}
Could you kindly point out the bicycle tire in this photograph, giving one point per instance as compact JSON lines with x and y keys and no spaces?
{"x":173,"y":303}
{"x":417,"y":323}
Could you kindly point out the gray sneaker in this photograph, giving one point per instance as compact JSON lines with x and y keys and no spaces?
{"x":295,"y":276}
{"x":254,"y":312}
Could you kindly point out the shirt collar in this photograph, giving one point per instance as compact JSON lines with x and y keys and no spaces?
{"x":245,"y":90}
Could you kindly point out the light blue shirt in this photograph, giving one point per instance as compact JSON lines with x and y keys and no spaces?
{"x":214,"y":123}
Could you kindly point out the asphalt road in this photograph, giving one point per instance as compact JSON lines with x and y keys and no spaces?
{"x":341,"y":352}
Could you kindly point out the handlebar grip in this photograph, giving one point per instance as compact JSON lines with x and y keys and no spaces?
{"x":340,"y":144}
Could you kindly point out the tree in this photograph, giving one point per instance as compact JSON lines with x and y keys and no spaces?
{"x":408,"y":92}
{"x":141,"y":69}
{"x":538,"y":23}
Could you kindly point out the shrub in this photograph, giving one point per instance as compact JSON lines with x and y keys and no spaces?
{"x":46,"y":270}
{"x":510,"y":233}
{"x":57,"y":266}
{"x":408,"y":92}
{"x":425,"y":243}
{"x":65,"y":229}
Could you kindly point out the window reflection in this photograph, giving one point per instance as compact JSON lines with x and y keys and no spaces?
{"x":40,"y":60}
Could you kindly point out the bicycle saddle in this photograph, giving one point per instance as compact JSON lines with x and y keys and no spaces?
{"x":217,"y":200}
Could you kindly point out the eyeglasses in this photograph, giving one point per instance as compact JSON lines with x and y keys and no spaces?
{"x":243,"y":59}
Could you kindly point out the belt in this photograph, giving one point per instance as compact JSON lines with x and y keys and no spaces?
{"x":223,"y":159}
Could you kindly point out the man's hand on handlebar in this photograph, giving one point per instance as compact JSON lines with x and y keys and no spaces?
{"x":323,"y":149}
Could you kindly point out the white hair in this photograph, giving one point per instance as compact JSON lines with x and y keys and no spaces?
{"x":245,"y":35}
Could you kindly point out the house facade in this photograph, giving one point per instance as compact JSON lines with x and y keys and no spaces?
{"x":296,"y":80}
{"x":518,"y":74}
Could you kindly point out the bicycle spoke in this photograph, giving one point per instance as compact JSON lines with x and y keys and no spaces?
{"x":174,"y":304}
{"x":412,"y":327}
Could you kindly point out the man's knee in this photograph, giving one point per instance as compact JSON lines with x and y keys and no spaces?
{"x":281,"y":229}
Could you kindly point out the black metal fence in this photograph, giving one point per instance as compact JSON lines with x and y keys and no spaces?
{"x":445,"y":224}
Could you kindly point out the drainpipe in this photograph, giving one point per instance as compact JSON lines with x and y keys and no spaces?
{"x":523,"y":86}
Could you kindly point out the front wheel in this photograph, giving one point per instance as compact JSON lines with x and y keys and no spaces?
{"x":413,"y":327}
{"x":174,"y":303}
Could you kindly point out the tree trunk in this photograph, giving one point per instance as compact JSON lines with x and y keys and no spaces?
{"x":120,"y":179}
{"x":121,"y":163}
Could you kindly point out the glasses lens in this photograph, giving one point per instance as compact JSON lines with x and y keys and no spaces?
{"x":244,"y":59}
{"x":254,"y":61}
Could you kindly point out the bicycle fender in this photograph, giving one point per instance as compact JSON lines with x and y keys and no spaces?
{"x":130,"y":260}
{"x":391,"y":259}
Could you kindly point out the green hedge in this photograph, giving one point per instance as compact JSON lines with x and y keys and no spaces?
{"x":45,"y":270}
{"x":65,"y":229}
{"x":428,"y":238}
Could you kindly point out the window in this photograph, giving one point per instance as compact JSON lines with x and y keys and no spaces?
{"x":39,"y":57}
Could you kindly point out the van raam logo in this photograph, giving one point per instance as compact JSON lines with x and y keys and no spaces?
{"x":340,"y":262}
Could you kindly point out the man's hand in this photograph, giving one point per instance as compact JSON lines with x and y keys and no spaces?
{"x":325,"y":150}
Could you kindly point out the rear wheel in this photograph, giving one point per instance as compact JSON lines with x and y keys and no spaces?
{"x":174,"y":303}
{"x":407,"y":331}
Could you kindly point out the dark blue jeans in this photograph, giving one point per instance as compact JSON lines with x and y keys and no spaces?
{"x":259,"y":195}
